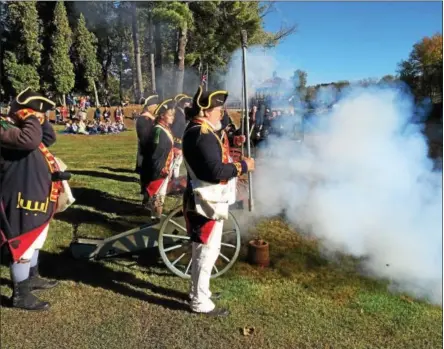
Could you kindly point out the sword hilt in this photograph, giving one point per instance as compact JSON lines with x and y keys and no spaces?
{"x":61,"y":176}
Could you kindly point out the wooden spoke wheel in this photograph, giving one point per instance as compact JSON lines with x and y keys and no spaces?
{"x":175,"y":246}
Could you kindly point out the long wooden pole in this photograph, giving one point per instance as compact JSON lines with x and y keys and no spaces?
{"x":243,"y":113}
{"x":247,"y":121}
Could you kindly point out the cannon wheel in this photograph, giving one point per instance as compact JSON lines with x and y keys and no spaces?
{"x":175,"y":245}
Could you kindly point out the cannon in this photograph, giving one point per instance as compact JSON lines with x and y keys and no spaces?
{"x":169,"y":236}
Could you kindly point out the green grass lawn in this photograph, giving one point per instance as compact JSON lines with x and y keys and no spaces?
{"x":301,"y":301}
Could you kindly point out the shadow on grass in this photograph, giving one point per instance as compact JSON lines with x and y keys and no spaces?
{"x":77,"y":216}
{"x":105,"y":175}
{"x":121,"y":170}
{"x":104,"y":202}
{"x":96,"y":274}
{"x":338,"y":276}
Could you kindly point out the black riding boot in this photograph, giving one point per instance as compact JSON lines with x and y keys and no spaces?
{"x":23,"y":298}
{"x":145,"y":201}
{"x":38,"y":283}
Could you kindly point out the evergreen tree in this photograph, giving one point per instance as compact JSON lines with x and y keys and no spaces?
{"x":86,"y":54}
{"x":61,"y":65}
{"x":181,"y":37}
{"x":22,"y":61}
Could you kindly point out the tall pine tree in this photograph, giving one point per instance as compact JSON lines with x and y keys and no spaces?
{"x":61,"y":66}
{"x":86,"y":54}
{"x":21,"y":64}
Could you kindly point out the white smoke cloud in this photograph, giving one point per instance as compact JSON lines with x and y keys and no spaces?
{"x":260,"y":67}
{"x":362,"y":182}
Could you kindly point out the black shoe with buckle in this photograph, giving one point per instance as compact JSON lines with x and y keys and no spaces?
{"x":22,"y":298}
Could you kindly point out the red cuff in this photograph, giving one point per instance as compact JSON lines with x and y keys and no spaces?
{"x":238,"y":140}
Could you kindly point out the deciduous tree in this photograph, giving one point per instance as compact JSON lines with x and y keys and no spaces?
{"x":423,"y":71}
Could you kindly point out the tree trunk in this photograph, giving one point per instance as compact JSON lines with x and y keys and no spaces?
{"x":121,"y":71}
{"x":158,"y":58}
{"x":152,"y":50}
{"x":64,"y":100}
{"x":96,"y":95}
{"x":121,"y":80}
{"x":180,"y":58}
{"x":153,"y":73}
{"x":139,"y":81}
{"x":108,"y":63}
{"x":207,"y":83}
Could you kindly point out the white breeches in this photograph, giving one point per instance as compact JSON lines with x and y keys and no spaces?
{"x":204,"y":257}
{"x":163,"y":188}
{"x":176,"y":166}
{"x":37,"y":244}
{"x":159,"y":198}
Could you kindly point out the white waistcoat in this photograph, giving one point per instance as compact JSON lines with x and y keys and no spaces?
{"x":212,"y":200}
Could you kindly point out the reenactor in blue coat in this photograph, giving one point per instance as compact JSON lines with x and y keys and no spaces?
{"x":30,"y":187}
{"x":211,"y":188}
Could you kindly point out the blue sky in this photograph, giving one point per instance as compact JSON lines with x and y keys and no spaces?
{"x":351,"y":40}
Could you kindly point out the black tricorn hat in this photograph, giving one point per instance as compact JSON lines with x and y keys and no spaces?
{"x":32,"y":100}
{"x":182,"y":98}
{"x":164,"y":106}
{"x":151,"y":100}
{"x":209,"y":99}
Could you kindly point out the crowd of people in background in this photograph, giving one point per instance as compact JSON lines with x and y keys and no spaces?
{"x":94,"y":127}
{"x":74,"y":117}
{"x":265,"y":120}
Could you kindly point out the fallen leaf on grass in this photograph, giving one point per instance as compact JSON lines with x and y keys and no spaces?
{"x":407,"y":299}
{"x":248,"y":331}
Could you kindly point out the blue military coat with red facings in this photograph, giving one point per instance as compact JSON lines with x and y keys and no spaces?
{"x":208,"y":156}
{"x":157,"y":157}
{"x":178,"y":127}
{"x":28,"y":195}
